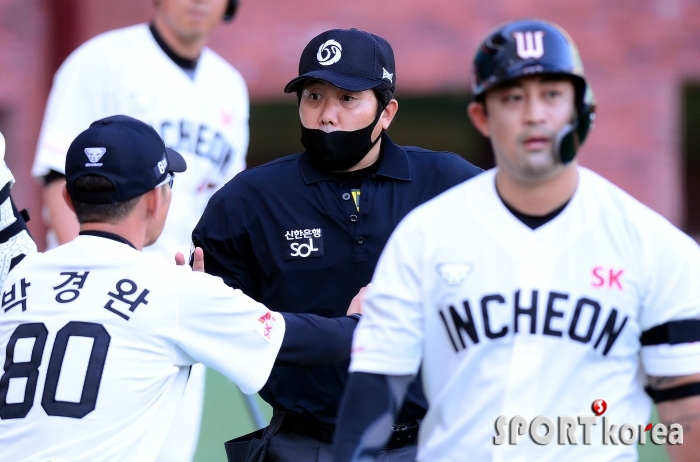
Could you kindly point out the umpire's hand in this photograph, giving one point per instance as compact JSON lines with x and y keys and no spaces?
{"x":197,"y":259}
{"x":355,"y":303}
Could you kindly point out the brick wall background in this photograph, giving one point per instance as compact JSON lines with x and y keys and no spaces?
{"x":638,"y":54}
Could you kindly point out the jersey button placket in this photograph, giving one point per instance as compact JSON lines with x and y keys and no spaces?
{"x":362,"y":224}
{"x":528,"y":350}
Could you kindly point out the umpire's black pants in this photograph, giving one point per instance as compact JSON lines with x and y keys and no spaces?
{"x":288,"y":445}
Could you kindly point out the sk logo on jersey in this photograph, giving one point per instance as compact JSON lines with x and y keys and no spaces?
{"x":268,"y":322}
{"x":607,"y":277}
{"x":302,"y":243}
{"x":94,"y":155}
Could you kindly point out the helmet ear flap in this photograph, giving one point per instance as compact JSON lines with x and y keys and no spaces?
{"x":230,"y":10}
{"x":571,"y":137}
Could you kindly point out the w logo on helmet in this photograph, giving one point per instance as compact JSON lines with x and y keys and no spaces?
{"x":329,"y":53}
{"x":529,"y":44}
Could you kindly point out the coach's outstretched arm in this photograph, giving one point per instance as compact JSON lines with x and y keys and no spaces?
{"x":305,"y":341}
{"x":369,"y":408}
{"x":15,"y":241}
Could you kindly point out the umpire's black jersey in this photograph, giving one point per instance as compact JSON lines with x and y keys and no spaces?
{"x":302,"y":241}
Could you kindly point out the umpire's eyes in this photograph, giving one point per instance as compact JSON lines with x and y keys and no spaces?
{"x":512,"y":97}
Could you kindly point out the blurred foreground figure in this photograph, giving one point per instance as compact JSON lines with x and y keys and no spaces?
{"x":535,"y":289}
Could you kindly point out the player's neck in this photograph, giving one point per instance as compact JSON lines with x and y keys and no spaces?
{"x":182,"y":47}
{"x":126,"y":229}
{"x":538,"y":199}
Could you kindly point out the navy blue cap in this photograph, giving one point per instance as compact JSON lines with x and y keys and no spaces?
{"x":351,"y":59}
{"x":124,"y":150}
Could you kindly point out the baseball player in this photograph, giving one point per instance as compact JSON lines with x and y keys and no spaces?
{"x":311,"y":242}
{"x":531,"y":290}
{"x":15,"y":241}
{"x":97,"y":338}
{"x":163,"y":74}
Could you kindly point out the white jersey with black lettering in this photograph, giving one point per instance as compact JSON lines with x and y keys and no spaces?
{"x":97,"y":338}
{"x":204,"y":118}
{"x":506,"y":320}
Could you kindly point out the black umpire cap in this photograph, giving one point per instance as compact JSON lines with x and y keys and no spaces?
{"x":350,"y":59}
{"x":124,"y":150}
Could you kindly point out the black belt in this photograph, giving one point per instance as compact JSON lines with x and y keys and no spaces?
{"x":401,"y":434}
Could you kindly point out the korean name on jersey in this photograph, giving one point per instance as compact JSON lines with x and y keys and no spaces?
{"x":97,"y":351}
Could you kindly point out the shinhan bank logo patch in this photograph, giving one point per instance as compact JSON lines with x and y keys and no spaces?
{"x":94,"y":155}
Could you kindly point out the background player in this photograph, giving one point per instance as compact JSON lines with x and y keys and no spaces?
{"x":15,"y":241}
{"x":161,"y":73}
{"x":310,"y":243}
{"x":533,"y":289}
{"x":97,"y":337}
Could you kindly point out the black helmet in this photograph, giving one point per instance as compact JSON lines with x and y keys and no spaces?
{"x":533,"y":46}
{"x":230,"y":10}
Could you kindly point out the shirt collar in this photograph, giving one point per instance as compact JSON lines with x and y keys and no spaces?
{"x":393,"y":163}
{"x":107,"y":235}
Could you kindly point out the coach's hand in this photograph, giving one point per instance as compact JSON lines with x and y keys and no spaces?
{"x":198,"y":262}
{"x":356,"y":302}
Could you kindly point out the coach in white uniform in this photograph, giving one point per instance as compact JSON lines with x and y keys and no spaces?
{"x":531,"y":290}
{"x":163,"y":74}
{"x":97,"y":338}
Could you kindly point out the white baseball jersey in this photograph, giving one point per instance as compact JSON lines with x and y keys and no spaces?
{"x":506,"y":320}
{"x":97,"y":338}
{"x":205,"y":119}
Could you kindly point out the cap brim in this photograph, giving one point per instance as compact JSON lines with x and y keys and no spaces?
{"x":342,"y":80}
{"x":176,"y":163}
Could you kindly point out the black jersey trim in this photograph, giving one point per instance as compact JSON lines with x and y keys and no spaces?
{"x":12,"y":230}
{"x":107,"y":235}
{"x":184,"y":63}
{"x":534,"y":221}
{"x":52,"y":176}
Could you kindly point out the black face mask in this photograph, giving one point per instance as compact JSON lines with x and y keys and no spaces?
{"x":338,"y":151}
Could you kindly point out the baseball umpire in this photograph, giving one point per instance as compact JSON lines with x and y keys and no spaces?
{"x":567,"y":292}
{"x":303,"y":233}
{"x":97,"y":338}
